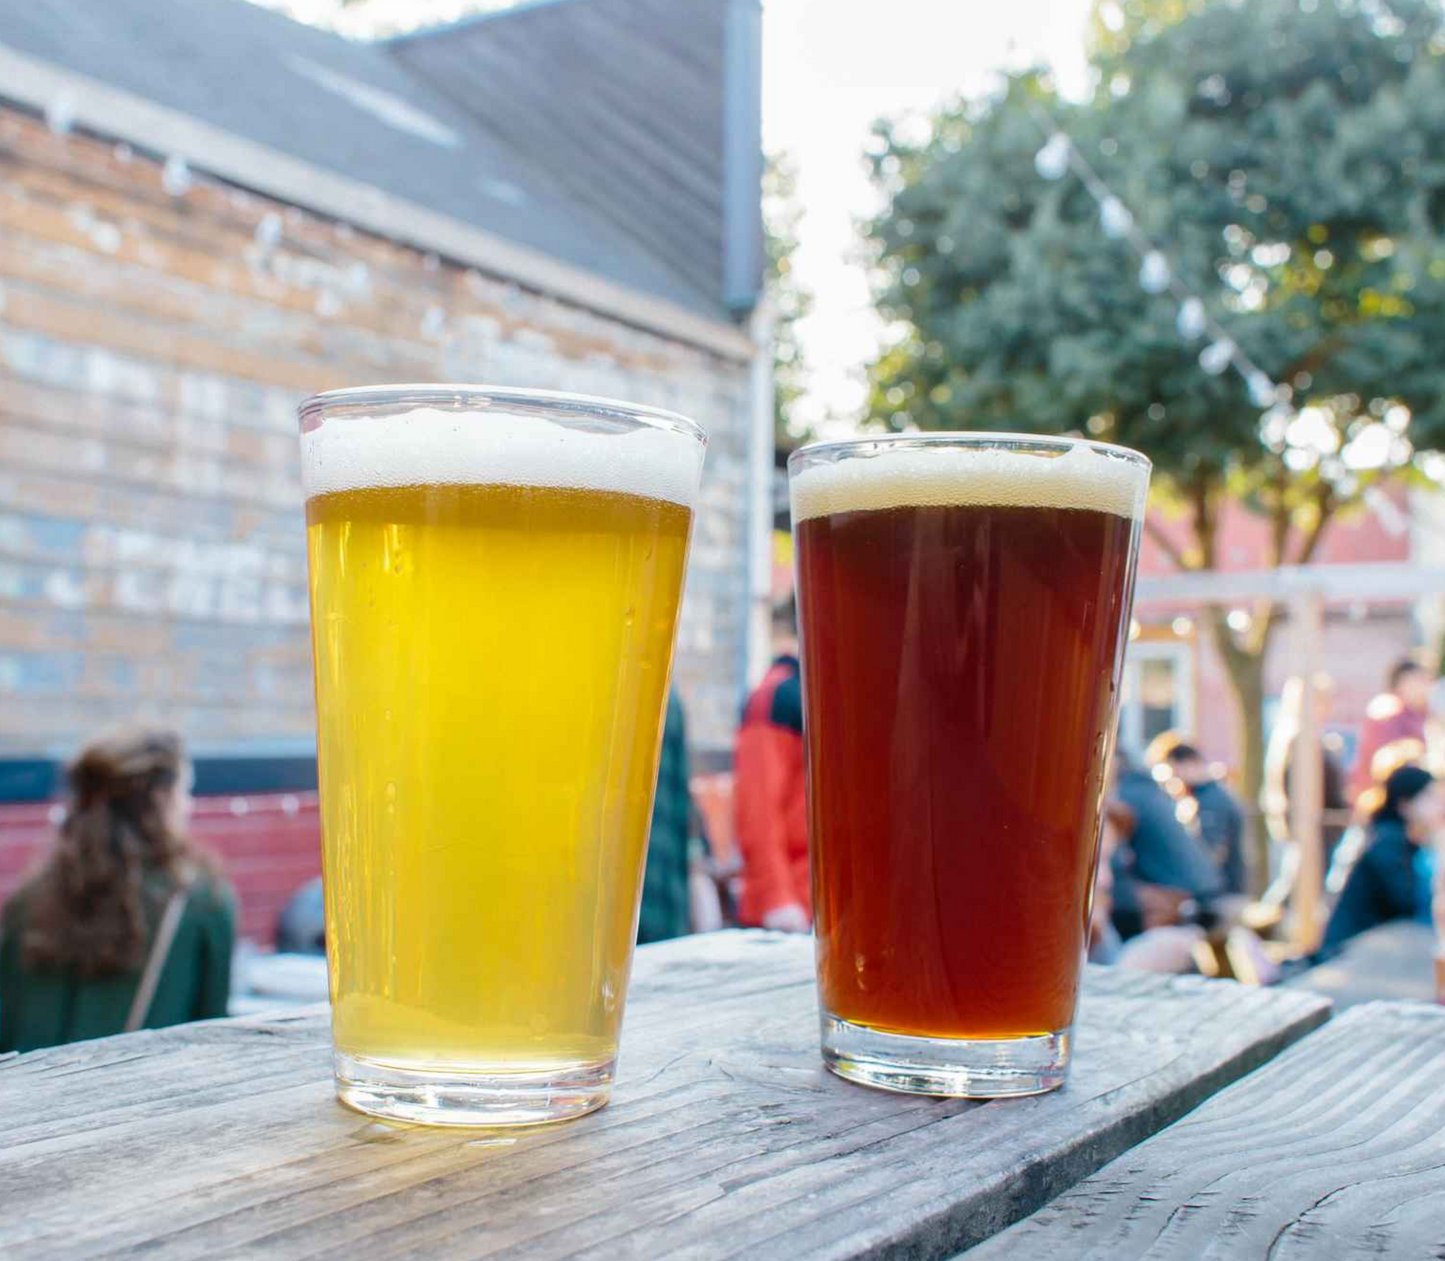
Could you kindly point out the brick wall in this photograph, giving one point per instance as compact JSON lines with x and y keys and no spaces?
{"x":1361,"y":641}
{"x":153,"y":345}
{"x":268,"y":844}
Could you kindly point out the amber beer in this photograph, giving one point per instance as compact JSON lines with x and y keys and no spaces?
{"x":495,"y":586}
{"x":965,"y":604}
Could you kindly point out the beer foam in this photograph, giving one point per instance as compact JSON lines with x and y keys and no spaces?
{"x":927,"y":476}
{"x":429,"y":446}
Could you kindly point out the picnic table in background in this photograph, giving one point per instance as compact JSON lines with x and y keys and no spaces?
{"x":725,"y":1136}
{"x":1394,"y":961}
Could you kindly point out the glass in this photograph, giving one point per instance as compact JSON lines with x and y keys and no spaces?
{"x":964,"y":604}
{"x":495,"y":579}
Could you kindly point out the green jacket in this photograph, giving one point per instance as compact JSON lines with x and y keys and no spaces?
{"x":40,"y":1008}
{"x":665,"y":911}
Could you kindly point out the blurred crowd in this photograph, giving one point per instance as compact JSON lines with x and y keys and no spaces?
{"x":127,"y":924}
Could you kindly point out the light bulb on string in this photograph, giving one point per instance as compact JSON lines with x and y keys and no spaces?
{"x":1190,"y":322}
{"x":176,"y":176}
{"x":1262,"y":391}
{"x":1114,"y":217}
{"x":1154,"y":272}
{"x":1215,"y":357}
{"x":1052,"y":161}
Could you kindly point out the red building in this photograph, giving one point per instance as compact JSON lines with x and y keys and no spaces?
{"x":1174,"y":678}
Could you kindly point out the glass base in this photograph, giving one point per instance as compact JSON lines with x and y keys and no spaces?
{"x":417,"y":1097}
{"x":963,"y":1068}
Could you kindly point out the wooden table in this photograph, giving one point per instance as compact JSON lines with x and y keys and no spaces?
{"x":1336,"y":1149}
{"x":1394,"y":961}
{"x":725,"y":1136}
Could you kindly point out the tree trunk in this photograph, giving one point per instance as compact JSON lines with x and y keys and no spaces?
{"x":1244,"y":668}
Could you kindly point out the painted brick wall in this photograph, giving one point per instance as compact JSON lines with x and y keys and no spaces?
{"x":1360,"y":643}
{"x":153,"y":345}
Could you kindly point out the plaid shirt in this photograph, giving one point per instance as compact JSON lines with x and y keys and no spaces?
{"x":665,"y":911}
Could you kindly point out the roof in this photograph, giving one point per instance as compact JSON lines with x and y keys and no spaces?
{"x":363,"y":110}
{"x":635,"y":103}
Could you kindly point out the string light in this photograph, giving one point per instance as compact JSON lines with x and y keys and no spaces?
{"x":1114,"y":218}
{"x":1154,"y":274}
{"x":1057,"y":158}
{"x":1052,"y":161}
{"x":1190,"y":321}
{"x":1216,"y":356}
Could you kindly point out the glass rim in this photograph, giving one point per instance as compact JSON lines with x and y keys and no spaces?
{"x":470,"y":397}
{"x":984,"y":438}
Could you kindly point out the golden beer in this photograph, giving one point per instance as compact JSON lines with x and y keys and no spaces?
{"x":492,"y":662}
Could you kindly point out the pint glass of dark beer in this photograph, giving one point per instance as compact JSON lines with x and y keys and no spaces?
{"x":965,"y":603}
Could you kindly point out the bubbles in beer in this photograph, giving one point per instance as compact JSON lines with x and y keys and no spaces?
{"x":429,"y":447}
{"x":935,"y":476}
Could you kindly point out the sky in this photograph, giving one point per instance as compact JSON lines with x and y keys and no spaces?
{"x":827,"y":74}
{"x":830,"y":68}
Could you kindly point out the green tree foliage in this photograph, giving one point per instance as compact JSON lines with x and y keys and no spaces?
{"x":782,"y":214}
{"x":1288,"y":159}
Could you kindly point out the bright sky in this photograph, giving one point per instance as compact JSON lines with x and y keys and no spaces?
{"x":830,"y":68}
{"x":827,"y":74}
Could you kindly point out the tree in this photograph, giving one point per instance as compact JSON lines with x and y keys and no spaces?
{"x":782,"y":214}
{"x":1287,"y":157}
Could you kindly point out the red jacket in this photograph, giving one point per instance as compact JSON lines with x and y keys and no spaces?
{"x":1386,"y":720}
{"x":770,"y":809}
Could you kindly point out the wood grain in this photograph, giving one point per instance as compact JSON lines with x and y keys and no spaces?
{"x":1335,"y":1149}
{"x":725,"y":1137}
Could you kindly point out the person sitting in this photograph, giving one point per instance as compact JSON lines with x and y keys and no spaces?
{"x":1392,"y":879}
{"x":301,"y":926}
{"x":126,"y":924}
{"x":1158,"y":868}
{"x":1219,"y":820}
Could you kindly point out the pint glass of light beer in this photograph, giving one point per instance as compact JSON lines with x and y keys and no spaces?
{"x":495,"y":577}
{"x":965,"y":603}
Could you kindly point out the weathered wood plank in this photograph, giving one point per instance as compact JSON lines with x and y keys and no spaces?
{"x":725,"y":1136}
{"x":1335,"y":1149}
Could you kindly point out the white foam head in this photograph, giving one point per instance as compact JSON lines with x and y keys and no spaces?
{"x":927,"y":475}
{"x":429,"y":446}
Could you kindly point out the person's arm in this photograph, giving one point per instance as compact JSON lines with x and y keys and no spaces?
{"x":218,"y":940}
{"x":762,"y":787}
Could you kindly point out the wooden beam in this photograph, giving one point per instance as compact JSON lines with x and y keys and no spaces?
{"x":1307,"y":795}
{"x":1390,"y":580}
{"x":109,"y":111}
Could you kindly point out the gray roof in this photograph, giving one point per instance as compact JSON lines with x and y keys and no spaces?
{"x":369,"y":112}
{"x":634,"y":102}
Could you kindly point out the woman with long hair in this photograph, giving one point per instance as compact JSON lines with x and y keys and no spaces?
{"x":125,"y":924}
{"x":1392,"y":879}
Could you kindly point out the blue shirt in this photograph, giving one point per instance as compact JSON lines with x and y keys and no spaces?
{"x":1391,"y":880}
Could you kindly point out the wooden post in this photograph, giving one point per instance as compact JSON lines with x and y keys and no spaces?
{"x":1307,"y":796}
